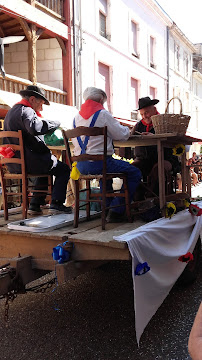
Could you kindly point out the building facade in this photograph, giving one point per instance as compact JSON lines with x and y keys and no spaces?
{"x":122,"y":49}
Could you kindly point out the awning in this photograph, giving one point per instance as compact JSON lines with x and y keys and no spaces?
{"x":8,"y":98}
{"x":55,"y":111}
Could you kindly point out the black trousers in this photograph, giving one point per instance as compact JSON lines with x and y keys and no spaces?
{"x":61,"y":172}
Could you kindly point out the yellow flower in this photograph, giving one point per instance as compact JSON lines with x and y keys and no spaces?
{"x":170,"y":210}
{"x":187,"y":202}
{"x":75,"y":173}
{"x":178,"y":150}
{"x":117,"y":157}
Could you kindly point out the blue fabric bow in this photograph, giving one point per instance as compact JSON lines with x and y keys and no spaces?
{"x":142,"y":268}
{"x":60,"y":254}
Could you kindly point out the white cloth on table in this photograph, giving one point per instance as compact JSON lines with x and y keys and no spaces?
{"x":159,"y":243}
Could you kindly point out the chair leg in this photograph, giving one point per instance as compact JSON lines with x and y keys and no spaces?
{"x":24,"y":198}
{"x":103,"y":195}
{"x":50,"y":185}
{"x":5,"y":200}
{"x":127,"y":200}
{"x":76,"y":204}
{"x":87,"y":199}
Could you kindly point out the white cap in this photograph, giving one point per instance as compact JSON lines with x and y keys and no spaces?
{"x":95,"y":94}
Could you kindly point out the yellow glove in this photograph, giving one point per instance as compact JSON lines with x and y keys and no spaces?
{"x":75,"y":173}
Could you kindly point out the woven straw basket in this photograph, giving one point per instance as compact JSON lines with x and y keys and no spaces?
{"x":171,"y":123}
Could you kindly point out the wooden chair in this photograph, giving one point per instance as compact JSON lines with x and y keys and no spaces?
{"x":20,"y":180}
{"x":92,"y":197}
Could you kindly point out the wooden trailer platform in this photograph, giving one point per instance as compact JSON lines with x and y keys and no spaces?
{"x":89,"y":246}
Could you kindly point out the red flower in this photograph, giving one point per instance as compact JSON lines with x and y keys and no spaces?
{"x":186,"y":258}
{"x":195,"y":210}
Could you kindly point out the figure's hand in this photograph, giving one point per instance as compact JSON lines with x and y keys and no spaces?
{"x":147,"y":133}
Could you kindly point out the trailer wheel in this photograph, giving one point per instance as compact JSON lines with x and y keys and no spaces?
{"x":191,"y":270}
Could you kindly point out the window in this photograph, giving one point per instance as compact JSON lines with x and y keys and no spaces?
{"x":197,"y":122}
{"x":177,"y":57}
{"x":187,"y":102}
{"x":134,"y":94}
{"x":152,"y":92}
{"x":134,"y":39}
{"x":103,"y":19}
{"x":186,"y":64}
{"x":152,"y":49}
{"x":103,"y":23}
{"x":104,"y":81}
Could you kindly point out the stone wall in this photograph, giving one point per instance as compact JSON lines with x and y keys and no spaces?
{"x":49,"y":61}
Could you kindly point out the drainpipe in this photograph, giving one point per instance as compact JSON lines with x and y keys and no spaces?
{"x":80,"y":53}
{"x":167,"y":54}
{"x":74,"y":52}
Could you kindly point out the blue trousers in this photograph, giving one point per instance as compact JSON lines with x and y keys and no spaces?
{"x":114,"y":166}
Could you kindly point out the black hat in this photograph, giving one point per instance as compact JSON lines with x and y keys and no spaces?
{"x":33,"y":90}
{"x":146,"y":101}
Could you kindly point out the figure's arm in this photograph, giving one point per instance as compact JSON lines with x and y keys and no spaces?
{"x":36,"y":125}
{"x":114,"y":129}
{"x":195,"y":337}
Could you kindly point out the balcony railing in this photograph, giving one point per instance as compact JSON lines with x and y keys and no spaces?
{"x":55,"y":6}
{"x":14,"y":84}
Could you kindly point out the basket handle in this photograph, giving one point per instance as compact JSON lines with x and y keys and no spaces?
{"x":175,"y":97}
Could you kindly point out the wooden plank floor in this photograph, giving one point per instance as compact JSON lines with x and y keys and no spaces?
{"x":90,"y":242}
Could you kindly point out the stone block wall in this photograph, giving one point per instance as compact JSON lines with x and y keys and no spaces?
{"x":49,"y":62}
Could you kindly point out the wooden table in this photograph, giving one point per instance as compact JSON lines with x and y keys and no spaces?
{"x":168,"y":140}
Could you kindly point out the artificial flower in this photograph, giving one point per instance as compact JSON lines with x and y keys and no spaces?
{"x":117,"y":157}
{"x":187,"y":202}
{"x":178,"y":150}
{"x":195,"y":210}
{"x":75,"y":173}
{"x":60,"y":254}
{"x":186,"y":258}
{"x":170,"y":210}
{"x":142,"y":268}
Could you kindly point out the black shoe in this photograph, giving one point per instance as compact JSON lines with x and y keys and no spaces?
{"x":114,"y":217}
{"x":34,"y":209}
{"x":56,"y":208}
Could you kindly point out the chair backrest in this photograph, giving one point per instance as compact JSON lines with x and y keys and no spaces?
{"x":16,"y":136}
{"x":83,"y":130}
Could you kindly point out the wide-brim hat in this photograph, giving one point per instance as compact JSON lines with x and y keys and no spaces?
{"x":146,"y":101}
{"x":33,"y":90}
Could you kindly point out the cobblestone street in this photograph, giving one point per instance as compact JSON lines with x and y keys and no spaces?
{"x":96,"y":321}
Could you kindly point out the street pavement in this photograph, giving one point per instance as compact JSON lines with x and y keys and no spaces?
{"x":94,"y":320}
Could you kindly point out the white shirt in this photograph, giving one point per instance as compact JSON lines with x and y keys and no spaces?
{"x":115,"y":131}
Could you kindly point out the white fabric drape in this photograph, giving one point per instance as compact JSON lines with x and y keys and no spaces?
{"x":159,"y":243}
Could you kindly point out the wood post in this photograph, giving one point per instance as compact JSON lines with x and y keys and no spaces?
{"x":30,"y":33}
{"x":32,"y":55}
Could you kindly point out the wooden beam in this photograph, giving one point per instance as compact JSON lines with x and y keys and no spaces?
{"x":31,"y":2}
{"x":22,"y":9}
{"x":25,"y":28}
{"x":32,"y":55}
{"x":62,"y":45}
{"x":32,"y":36}
{"x":39,"y":32}
{"x":1,"y":32}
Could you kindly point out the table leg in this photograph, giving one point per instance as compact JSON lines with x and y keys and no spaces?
{"x":161,"y":174}
{"x":184,"y":173}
